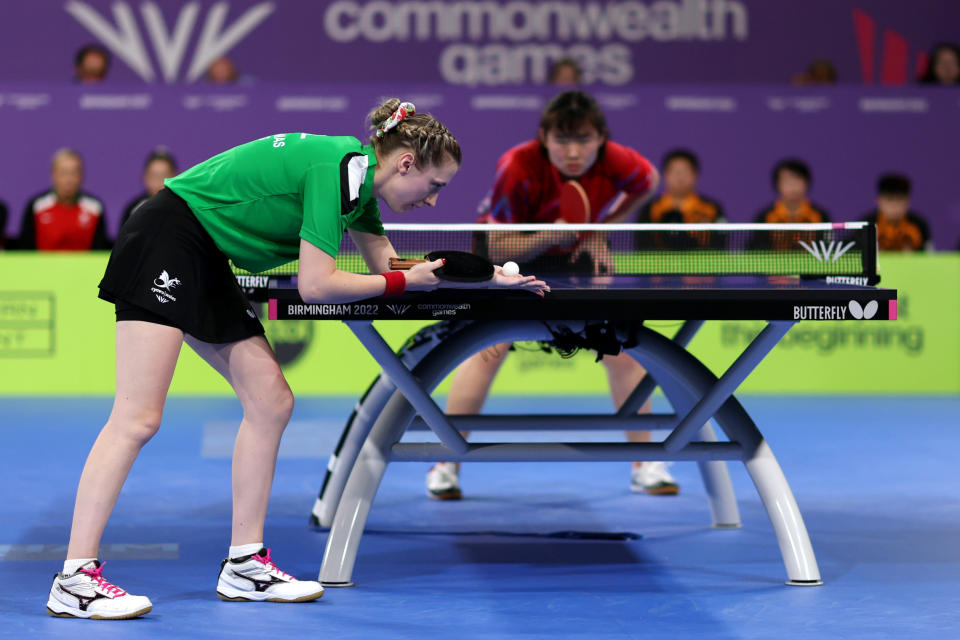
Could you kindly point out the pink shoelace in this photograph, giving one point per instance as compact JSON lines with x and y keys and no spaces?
{"x":267,"y":561}
{"x":111,"y":590}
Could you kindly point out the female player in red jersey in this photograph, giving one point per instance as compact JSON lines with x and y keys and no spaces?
{"x":264,"y":203}
{"x":572,"y":144}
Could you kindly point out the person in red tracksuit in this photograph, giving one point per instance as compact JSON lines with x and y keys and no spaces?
{"x":64,"y":218}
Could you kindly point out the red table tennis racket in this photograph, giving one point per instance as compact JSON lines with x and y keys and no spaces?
{"x":574,"y":203}
{"x":460,"y":266}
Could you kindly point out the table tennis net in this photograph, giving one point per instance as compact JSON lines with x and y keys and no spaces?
{"x":805,"y":250}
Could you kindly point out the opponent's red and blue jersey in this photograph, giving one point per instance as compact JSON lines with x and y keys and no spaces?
{"x":527,"y":185}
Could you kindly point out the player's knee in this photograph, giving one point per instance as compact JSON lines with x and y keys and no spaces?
{"x":275,"y":405}
{"x":139,"y":426}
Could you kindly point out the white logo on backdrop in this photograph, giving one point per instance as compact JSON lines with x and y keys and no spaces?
{"x":126,"y":42}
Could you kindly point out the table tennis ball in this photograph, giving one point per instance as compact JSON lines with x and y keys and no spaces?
{"x":511,"y":269}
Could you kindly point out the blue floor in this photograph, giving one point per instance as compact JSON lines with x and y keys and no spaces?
{"x":876,"y":479}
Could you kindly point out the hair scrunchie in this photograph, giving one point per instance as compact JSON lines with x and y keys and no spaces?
{"x":405,"y":109}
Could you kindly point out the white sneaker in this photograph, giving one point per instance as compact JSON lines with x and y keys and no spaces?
{"x":652,"y":477}
{"x":443,"y":481}
{"x":255,"y":578}
{"x":87,"y":594}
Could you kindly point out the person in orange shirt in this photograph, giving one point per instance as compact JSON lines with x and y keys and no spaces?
{"x":681,"y":203}
{"x":791,"y":180}
{"x":898,"y":227}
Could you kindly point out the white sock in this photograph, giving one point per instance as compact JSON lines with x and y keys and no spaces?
{"x":72,"y":566}
{"x":244,"y":550}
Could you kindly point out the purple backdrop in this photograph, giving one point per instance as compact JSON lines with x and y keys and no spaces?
{"x":476,"y":42}
{"x":848,"y":135}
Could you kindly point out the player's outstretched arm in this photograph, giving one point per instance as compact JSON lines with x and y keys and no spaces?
{"x":319,"y":280}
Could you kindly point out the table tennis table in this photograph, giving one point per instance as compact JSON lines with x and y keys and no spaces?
{"x":605,"y":313}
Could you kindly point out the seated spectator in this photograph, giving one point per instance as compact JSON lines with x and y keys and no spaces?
{"x":159,"y":166}
{"x":222,"y":71}
{"x":791,"y":180}
{"x":565,"y":72}
{"x":898,"y":228}
{"x":943,"y":66}
{"x":91,"y":64}
{"x":680,"y":201}
{"x":3,"y":224}
{"x":819,"y":72}
{"x":64,"y":218}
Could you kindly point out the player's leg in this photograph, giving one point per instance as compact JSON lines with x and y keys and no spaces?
{"x":146,"y":357}
{"x":624,"y":374}
{"x":251,"y":368}
{"x":468,"y":392}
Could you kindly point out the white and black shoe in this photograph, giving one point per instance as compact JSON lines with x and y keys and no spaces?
{"x":255,"y":578}
{"x":87,"y":594}
{"x":653,"y":478}
{"x":443,"y":481}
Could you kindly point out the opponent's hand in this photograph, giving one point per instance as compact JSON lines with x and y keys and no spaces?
{"x":564,"y":238}
{"x":596,"y":247}
{"x":421,"y":277}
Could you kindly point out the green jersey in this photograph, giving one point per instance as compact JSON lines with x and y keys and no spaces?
{"x":258,"y":199}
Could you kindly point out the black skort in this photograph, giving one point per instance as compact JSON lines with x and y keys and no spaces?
{"x":165,"y":268}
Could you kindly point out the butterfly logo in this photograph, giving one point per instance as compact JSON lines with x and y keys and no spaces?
{"x":863,"y":313}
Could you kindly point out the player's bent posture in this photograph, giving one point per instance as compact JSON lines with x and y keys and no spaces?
{"x":572,"y":144}
{"x":260,"y":204}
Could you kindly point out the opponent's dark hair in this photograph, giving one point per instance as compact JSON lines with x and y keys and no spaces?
{"x":570,"y":110}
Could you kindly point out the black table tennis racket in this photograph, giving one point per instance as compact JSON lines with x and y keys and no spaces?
{"x":460,"y":266}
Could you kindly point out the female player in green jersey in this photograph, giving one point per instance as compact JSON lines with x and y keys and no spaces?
{"x":262,"y":204}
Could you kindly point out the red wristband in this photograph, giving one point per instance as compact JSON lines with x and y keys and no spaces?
{"x":396,"y":283}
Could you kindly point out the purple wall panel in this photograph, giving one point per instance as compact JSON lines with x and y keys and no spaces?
{"x":848,"y":135}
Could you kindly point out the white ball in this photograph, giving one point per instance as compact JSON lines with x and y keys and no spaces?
{"x":511,"y":269}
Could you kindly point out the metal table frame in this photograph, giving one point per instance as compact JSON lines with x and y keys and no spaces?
{"x":402,"y":392}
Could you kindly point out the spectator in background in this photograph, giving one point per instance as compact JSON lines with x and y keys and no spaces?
{"x":680,"y":201}
{"x":818,"y":72}
{"x":898,"y":228}
{"x":64,"y":218}
{"x":791,"y":180}
{"x":222,"y":71}
{"x":565,"y":72}
{"x":159,"y":166}
{"x":943,"y":67}
{"x":91,"y":64}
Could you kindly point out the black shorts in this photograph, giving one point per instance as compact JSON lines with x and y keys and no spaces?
{"x":165,"y":268}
